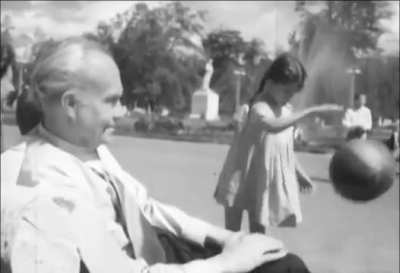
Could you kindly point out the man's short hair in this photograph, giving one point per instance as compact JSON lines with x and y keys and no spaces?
{"x":359,"y":95}
{"x":60,"y":68}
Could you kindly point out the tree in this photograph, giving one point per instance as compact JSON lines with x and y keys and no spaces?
{"x":156,"y":54}
{"x":231,"y":52}
{"x":333,"y":40}
{"x":380,"y":82}
{"x":354,"y":23}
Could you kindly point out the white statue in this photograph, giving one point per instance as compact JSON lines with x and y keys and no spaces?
{"x":205,"y":102}
{"x":207,"y":76}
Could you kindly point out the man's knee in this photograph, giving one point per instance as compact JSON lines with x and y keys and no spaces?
{"x":291,"y":263}
{"x":296,"y":264}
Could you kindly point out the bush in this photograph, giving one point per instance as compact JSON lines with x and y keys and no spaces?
{"x":158,"y":124}
{"x":176,"y":128}
{"x":125,"y":125}
{"x":142,"y":125}
{"x":168,"y":124}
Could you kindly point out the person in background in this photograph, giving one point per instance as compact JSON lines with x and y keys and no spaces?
{"x":393,"y":141}
{"x":358,"y":120}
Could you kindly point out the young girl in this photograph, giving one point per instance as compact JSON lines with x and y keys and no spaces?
{"x":261,"y":174}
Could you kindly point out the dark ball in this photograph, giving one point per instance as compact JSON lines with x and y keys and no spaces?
{"x":362,"y":170}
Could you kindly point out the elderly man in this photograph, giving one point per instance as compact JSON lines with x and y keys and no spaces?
{"x":74,"y":209}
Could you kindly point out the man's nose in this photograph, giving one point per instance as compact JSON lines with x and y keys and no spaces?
{"x":119,"y":111}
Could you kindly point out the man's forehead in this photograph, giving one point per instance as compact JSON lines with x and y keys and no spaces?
{"x":98,"y":62}
{"x":100,"y":71}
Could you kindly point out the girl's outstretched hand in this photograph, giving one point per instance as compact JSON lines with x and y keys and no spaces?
{"x":324,"y":108}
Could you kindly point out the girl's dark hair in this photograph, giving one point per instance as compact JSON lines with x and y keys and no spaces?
{"x":358,"y":96}
{"x":285,"y":69}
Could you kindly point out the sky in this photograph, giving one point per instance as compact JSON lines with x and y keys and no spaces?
{"x":270,"y":21}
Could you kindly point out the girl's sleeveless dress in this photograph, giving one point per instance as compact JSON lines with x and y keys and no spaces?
{"x":259,"y":174}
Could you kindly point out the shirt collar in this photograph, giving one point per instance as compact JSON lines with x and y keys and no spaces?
{"x":82,"y":153}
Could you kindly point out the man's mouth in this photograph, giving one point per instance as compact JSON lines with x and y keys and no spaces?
{"x":109,"y":130}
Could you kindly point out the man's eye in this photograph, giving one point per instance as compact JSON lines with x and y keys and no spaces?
{"x":113,"y":101}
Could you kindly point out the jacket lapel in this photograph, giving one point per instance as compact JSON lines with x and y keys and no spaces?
{"x":144,"y":239}
{"x":129,"y":206}
{"x":58,"y":172}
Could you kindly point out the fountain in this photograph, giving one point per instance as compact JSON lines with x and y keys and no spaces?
{"x":328,"y":81}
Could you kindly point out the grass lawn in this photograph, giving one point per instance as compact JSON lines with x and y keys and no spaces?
{"x":336,"y":236}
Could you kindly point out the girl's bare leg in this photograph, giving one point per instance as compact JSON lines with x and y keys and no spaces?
{"x":233,"y":218}
{"x":255,"y":227}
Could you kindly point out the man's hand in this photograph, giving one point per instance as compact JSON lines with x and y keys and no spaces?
{"x":244,"y":252}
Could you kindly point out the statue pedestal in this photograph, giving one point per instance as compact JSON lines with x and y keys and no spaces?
{"x":205,"y":104}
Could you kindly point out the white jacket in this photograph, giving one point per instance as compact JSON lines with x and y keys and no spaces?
{"x":53,"y":224}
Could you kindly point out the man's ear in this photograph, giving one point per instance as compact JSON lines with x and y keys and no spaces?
{"x":69,"y":103}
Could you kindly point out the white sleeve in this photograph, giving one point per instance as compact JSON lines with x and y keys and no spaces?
{"x":171,"y":218}
{"x":35,"y":249}
{"x":32,"y":252}
{"x":368,"y":120}
{"x":259,"y":111}
{"x":347,"y":122}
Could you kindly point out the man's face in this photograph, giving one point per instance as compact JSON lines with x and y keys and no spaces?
{"x":361,"y":101}
{"x":99,"y":105}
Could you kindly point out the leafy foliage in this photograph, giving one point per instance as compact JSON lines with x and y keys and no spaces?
{"x":355,"y":24}
{"x":157,"y":54}
{"x":331,"y":41}
{"x":231,"y":53}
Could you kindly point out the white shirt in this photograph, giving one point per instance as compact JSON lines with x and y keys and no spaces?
{"x":358,"y":117}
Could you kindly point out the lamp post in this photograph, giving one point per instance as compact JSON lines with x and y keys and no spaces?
{"x":353,"y":72}
{"x":239,"y":72}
